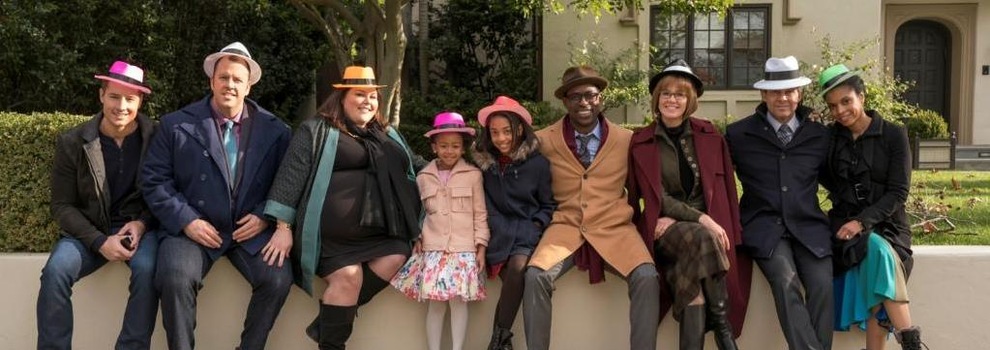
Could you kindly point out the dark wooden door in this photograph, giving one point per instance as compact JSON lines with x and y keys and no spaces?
{"x":921,"y":54}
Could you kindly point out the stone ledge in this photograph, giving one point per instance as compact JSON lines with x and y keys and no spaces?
{"x":948,"y":293}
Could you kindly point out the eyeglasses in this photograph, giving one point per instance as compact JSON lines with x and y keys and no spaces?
{"x":591,"y":97}
{"x":679,"y":96}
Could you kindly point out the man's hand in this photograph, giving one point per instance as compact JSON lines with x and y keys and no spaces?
{"x":716,"y":230}
{"x":249,"y":226}
{"x":849,"y":230}
{"x":418,"y":246}
{"x":662,"y":225}
{"x":278,"y":248}
{"x":203,"y":233}
{"x":114,"y":250}
{"x":135,"y":229}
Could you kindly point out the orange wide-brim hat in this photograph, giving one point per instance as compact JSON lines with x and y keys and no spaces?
{"x":358,"y":77}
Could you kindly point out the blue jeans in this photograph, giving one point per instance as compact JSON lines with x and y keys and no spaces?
{"x":69,"y":262}
{"x":182,"y":265}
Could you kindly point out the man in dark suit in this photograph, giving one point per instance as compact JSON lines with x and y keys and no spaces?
{"x":100,"y":213}
{"x":206,"y":176}
{"x":778,"y":153}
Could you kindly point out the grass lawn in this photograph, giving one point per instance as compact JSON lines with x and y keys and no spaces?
{"x":964,"y":196}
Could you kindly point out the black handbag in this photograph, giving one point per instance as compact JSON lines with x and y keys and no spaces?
{"x":846,"y":254}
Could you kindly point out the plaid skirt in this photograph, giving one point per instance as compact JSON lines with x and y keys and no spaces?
{"x":686,"y":254}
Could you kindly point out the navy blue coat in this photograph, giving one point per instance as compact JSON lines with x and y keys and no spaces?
{"x":515,"y":199}
{"x":780,"y":183}
{"x":185,"y":177}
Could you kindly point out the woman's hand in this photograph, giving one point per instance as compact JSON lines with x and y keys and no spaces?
{"x":716,"y":230}
{"x":849,"y":230}
{"x":662,"y":225}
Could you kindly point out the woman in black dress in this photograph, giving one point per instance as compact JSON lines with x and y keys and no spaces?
{"x":347,"y":190}
{"x":868,"y":178}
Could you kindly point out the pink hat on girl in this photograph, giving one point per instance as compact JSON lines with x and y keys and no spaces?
{"x":449,"y":122}
{"x":504,"y":104}
{"x":127,"y":75}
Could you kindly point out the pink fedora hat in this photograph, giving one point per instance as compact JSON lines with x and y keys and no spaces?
{"x":127,"y":75}
{"x":504,"y":104}
{"x":449,"y":122}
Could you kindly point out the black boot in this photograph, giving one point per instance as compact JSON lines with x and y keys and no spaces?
{"x":693,"y":327}
{"x":501,"y":339}
{"x":370,"y":285}
{"x":336,"y":324}
{"x":716,"y":301}
{"x":910,"y":338}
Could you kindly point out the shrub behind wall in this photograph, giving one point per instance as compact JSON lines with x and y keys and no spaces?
{"x":27,"y":152}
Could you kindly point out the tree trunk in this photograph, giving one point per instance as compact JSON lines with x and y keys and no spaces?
{"x":389,"y":58}
{"x":424,"y":48}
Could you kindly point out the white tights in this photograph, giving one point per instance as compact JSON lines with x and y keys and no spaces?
{"x":458,"y":323}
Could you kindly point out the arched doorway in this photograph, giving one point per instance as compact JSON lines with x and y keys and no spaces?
{"x":922,"y":52}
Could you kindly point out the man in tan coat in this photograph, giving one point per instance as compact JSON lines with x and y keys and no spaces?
{"x":592,"y":225}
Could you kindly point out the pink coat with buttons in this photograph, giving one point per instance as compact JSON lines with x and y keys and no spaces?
{"x":456,"y":217}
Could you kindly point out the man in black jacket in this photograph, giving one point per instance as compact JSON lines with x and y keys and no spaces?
{"x":101,"y":214}
{"x":778,"y":153}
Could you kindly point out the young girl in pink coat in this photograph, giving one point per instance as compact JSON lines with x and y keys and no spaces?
{"x":448,"y":260}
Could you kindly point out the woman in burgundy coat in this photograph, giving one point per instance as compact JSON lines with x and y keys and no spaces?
{"x":681,"y":164}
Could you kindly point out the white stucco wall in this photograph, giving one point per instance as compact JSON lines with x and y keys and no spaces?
{"x":947,"y":289}
{"x":981,"y":100}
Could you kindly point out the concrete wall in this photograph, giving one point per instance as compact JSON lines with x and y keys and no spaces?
{"x":794,"y":28}
{"x":948,"y":293}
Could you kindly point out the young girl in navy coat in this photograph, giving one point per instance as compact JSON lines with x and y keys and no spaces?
{"x":519,"y":201}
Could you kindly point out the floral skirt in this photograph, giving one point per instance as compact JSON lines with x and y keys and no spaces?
{"x":441,"y":276}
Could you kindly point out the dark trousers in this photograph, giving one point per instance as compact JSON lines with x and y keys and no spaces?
{"x":182,"y":265}
{"x":69,"y":262}
{"x":802,"y":293}
{"x":644,"y":305}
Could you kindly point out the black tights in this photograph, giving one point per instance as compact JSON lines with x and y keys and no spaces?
{"x":512,"y":290}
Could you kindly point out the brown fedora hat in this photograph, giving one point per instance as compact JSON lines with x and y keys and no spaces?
{"x":579,"y":75}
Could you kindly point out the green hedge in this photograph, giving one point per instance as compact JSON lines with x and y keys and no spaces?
{"x":26,"y":224}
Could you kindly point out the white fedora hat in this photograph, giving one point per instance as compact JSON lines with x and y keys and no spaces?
{"x":234,"y":49}
{"x":781,"y":74}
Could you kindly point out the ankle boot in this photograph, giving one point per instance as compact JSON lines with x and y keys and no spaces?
{"x":501,"y":339}
{"x":716,"y":304}
{"x":336,"y":324}
{"x":370,"y":286}
{"x":910,"y":338}
{"x":692,"y":327}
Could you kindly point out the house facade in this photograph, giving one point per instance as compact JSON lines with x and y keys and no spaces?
{"x":941,"y":45}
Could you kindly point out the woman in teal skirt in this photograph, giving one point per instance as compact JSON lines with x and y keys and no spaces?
{"x":868,"y":177}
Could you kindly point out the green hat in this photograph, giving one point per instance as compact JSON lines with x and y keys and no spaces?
{"x":834,"y":75}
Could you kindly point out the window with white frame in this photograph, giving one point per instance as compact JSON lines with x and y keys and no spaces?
{"x":726,"y":53}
